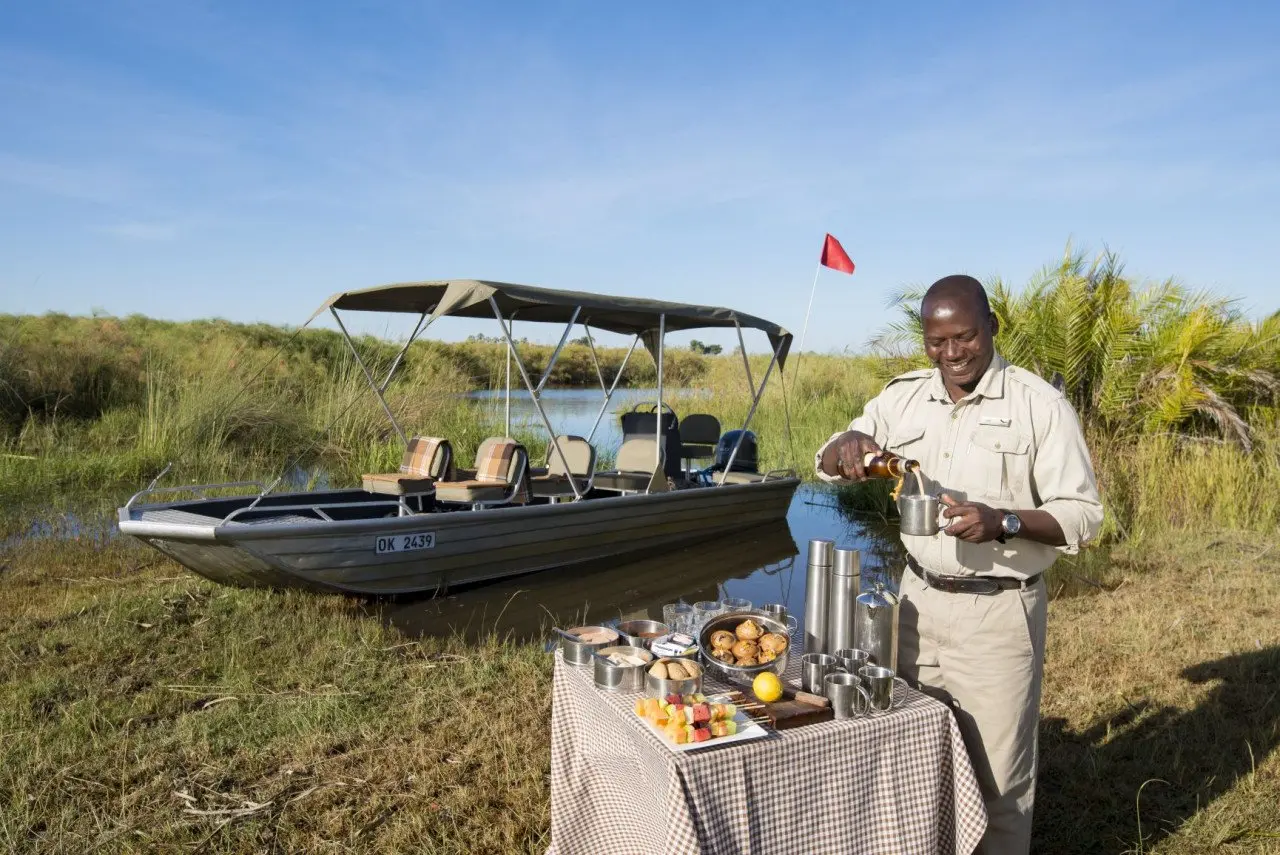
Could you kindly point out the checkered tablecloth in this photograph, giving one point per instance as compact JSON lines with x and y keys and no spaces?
{"x":897,"y":782}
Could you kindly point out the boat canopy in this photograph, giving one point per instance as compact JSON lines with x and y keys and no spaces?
{"x":470,"y":298}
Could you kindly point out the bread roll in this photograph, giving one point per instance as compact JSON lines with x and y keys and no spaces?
{"x":659,"y":670}
{"x":746,"y":649}
{"x":675,"y":671}
{"x":773,"y":642}
{"x":748,"y":630}
{"x":722,"y":639}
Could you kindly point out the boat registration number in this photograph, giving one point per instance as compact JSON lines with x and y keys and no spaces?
{"x":405,"y":542}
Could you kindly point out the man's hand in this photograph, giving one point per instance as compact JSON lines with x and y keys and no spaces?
{"x":971,"y":521}
{"x":843,"y":457}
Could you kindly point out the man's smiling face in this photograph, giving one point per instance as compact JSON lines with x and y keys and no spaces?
{"x":959,"y":339}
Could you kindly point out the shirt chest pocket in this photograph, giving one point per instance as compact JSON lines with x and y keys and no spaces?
{"x":1000,"y":460}
{"x":906,"y":440}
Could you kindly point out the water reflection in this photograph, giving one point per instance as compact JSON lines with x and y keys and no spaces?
{"x":574,"y":411}
{"x":763,"y":565}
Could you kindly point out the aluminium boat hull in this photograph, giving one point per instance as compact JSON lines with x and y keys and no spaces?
{"x":464,"y":547}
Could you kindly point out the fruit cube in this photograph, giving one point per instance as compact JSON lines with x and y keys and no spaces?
{"x":672,"y":699}
{"x":701,"y":734}
{"x":701,"y":713}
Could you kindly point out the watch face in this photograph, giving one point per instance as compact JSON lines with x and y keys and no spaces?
{"x":1011,"y":523}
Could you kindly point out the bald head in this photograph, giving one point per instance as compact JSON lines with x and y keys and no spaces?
{"x":964,"y":291}
{"x":959,"y":331}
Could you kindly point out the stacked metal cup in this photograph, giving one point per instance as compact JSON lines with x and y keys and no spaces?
{"x":818,"y":594}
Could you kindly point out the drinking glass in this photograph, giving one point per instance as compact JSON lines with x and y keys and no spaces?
{"x":735,"y":604}
{"x":678,"y":616}
{"x":705,"y":610}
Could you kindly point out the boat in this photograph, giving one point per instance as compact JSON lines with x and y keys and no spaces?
{"x":433,"y":524}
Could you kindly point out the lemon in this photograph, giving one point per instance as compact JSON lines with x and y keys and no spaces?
{"x":767,"y":686}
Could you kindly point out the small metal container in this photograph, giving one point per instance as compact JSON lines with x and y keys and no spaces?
{"x":641,"y":633}
{"x":658,"y":688}
{"x":612,"y":677}
{"x":578,"y":652}
{"x":742,"y":674}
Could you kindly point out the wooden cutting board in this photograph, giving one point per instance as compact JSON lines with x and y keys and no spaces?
{"x":794,"y":709}
{"x":786,"y":714}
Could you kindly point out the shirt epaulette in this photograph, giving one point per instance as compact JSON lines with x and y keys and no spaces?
{"x":1034,"y":382}
{"x":918,"y":374}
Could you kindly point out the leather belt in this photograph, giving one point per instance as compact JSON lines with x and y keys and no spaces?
{"x":969,"y":584}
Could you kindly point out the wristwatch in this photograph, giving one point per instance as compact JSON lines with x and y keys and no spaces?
{"x":1010,"y":524}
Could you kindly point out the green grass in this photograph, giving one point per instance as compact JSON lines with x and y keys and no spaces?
{"x":137,"y":697}
{"x":146,"y":710}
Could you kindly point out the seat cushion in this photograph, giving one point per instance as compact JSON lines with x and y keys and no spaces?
{"x":622,"y":481}
{"x":471,"y":491}
{"x":738,"y":477}
{"x":555,"y":485}
{"x":396,"y":484}
{"x":697,"y":449}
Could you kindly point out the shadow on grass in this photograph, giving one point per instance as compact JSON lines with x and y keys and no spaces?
{"x":1129,"y":781}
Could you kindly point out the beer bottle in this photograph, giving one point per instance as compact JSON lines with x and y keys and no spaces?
{"x":886,"y":464}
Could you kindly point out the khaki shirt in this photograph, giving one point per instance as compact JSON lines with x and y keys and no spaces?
{"x":1013,"y":443}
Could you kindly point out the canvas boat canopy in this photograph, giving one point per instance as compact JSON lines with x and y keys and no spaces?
{"x":470,"y":298}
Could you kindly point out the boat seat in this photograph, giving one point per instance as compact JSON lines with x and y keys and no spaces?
{"x":699,"y":435}
{"x":737,"y":477}
{"x":501,"y":476}
{"x":427,"y":459}
{"x":639,"y":469}
{"x":555,"y":483}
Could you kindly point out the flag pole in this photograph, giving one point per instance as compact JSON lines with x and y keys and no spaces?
{"x":795,"y":379}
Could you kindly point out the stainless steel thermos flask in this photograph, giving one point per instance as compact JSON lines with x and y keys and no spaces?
{"x":817,"y":595}
{"x":846,"y":581}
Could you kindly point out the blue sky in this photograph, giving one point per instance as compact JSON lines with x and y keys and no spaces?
{"x":245,"y":159}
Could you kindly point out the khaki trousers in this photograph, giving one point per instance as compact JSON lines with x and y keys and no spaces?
{"x":984,"y":656}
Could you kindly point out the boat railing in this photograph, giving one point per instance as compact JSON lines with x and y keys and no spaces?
{"x":318,"y":509}
{"x":200,"y":489}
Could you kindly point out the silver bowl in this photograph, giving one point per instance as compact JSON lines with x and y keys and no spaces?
{"x":577,"y":651}
{"x":620,"y":678}
{"x":641,"y":633}
{"x":658,"y":688}
{"x":741,"y":674}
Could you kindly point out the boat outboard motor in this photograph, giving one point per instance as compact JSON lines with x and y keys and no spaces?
{"x":640,"y":423}
{"x":747,"y":458}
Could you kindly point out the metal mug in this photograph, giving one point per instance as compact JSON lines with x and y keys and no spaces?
{"x":779,"y":612}
{"x":847,"y":695}
{"x":920,"y":515}
{"x":853,"y":659}
{"x":879,"y":683}
{"x":814,"y":668}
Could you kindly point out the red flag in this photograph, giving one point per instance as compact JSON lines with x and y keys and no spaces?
{"x":834,"y":256}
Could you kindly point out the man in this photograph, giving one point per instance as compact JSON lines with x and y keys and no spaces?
{"x":1004,"y":451}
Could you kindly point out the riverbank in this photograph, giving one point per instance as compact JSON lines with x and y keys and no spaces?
{"x":149,"y":711}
